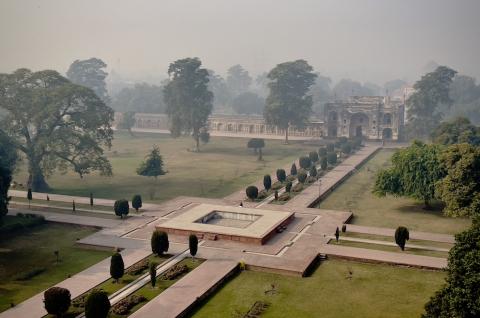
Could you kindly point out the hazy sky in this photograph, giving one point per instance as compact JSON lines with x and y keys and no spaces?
{"x":367,"y":40}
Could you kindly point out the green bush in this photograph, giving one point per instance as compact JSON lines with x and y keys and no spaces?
{"x":175,"y":271}
{"x":57,"y":300}
{"x":302,"y":176}
{"x":30,"y":274}
{"x":137,"y":202}
{"x":193,"y":244}
{"x":117,"y":267}
{"x":252,"y":192}
{"x":267,"y":182}
{"x":97,"y":304}
{"x":288,"y":187}
{"x":347,"y":148}
{"x":281,"y":175}
{"x":305,"y":162}
{"x":152,"y":270}
{"x":402,"y":236}
{"x":123,"y":306}
{"x":121,"y":208}
{"x":159,"y":242}
{"x":293,"y":169}
{"x":330,"y":147}
{"x":313,"y":156}
{"x":313,"y":171}
{"x":332,"y":158}
{"x":322,"y":152}
{"x":323,"y":163}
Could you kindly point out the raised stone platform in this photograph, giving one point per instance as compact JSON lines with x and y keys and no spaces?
{"x":223,"y":222}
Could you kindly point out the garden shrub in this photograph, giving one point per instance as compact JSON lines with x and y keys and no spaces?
{"x":137,"y":268}
{"x":281,"y":175}
{"x":322,"y":152}
{"x":293,"y":169}
{"x":174,"y":272}
{"x":30,"y":274}
{"x":302,"y":176}
{"x":305,"y":162}
{"x":313,"y":156}
{"x":332,"y":158}
{"x":330,"y":147}
{"x":123,"y":306}
{"x":97,"y":304}
{"x":57,"y":300}
{"x":252,"y":192}
{"x":288,"y":187}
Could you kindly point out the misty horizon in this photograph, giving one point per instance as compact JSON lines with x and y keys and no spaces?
{"x":368,"y":41}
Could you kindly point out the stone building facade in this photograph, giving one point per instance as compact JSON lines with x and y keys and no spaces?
{"x":373,"y":118}
{"x":369,"y":117}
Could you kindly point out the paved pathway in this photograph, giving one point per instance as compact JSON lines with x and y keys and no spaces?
{"x":434,"y":237}
{"x":327,"y":183}
{"x":178,"y":298}
{"x":69,"y":199}
{"x":383,"y":257}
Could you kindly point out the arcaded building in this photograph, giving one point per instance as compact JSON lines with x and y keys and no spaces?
{"x":370,"y":117}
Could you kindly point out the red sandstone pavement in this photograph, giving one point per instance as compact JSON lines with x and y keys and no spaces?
{"x":183,"y":294}
{"x":364,"y":254}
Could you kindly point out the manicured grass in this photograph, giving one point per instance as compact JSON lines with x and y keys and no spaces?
{"x":388,"y":248}
{"x":66,"y":205}
{"x":374,"y":291}
{"x":355,"y":195}
{"x":223,"y":166}
{"x":34,"y":249}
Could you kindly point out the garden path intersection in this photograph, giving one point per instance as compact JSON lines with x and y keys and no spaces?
{"x":292,"y":249}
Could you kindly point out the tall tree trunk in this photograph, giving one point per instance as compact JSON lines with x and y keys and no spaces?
{"x":36,"y":179}
{"x":197,"y":142}
{"x":286,"y":136}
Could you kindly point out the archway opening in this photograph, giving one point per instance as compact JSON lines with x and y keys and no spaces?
{"x":387,"y":134}
{"x":359,"y":124}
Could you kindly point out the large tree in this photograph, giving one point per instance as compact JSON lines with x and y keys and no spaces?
{"x":460,"y":189}
{"x":8,"y":159}
{"x":218,"y":86}
{"x":142,"y":98}
{"x":153,"y":164}
{"x":289,"y":103}
{"x":248,"y":103}
{"x":460,"y":296}
{"x":456,"y":131}
{"x":238,"y":80}
{"x":56,"y":124}
{"x":90,"y":73}
{"x":188,"y":100}
{"x":414,"y":173}
{"x":423,"y":106}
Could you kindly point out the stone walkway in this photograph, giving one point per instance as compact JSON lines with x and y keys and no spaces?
{"x":363,"y":254}
{"x":185,"y":293}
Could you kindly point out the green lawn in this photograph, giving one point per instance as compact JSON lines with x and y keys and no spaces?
{"x":355,"y":195}
{"x":392,"y":239}
{"x":223,"y":166}
{"x":374,"y":291}
{"x":33,"y":249}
